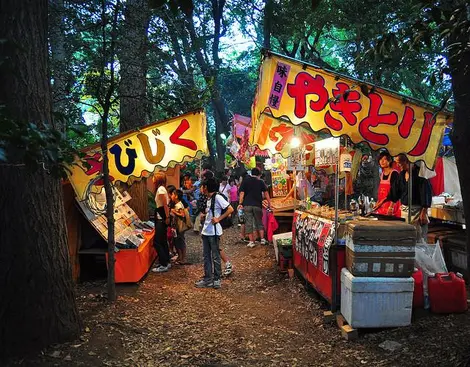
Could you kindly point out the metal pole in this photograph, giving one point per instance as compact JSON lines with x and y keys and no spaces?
{"x":332,"y":261}
{"x":410,"y":190}
{"x":295,"y":188}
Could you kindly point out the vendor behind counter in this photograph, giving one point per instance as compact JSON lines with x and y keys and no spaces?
{"x":421,"y":195}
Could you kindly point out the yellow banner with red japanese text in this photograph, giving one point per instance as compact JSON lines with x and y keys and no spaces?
{"x":301,"y":93}
{"x":138,"y":153}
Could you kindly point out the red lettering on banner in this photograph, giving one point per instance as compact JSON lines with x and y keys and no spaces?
{"x":304,"y":85}
{"x":286,"y":133}
{"x":175,"y":138}
{"x":374,"y":119}
{"x":96,"y":166}
{"x":406,"y":122}
{"x":95,"y":162}
{"x":345,"y":105}
{"x":425,"y":135}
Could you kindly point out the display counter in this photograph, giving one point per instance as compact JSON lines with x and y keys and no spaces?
{"x":283,"y":212}
{"x":316,"y":256}
{"x":132,"y":264}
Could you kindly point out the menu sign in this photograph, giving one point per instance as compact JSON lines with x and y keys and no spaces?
{"x":313,"y":240}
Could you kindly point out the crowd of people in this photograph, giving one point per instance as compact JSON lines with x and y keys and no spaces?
{"x":212,"y":204}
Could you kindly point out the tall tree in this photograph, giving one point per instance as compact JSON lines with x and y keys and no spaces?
{"x":133,"y":85}
{"x":37,"y":300}
{"x":208,"y":60}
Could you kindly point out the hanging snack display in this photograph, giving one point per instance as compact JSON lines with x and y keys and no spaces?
{"x":278,"y":176}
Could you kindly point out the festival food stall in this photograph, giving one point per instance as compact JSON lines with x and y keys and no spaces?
{"x":291,"y":93}
{"x":134,"y":155}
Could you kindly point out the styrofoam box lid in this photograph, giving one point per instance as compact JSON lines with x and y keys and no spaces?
{"x":282,"y":236}
{"x":376,"y":284}
{"x":380,"y":225}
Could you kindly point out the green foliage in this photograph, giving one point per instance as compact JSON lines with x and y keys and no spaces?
{"x":26,"y":143}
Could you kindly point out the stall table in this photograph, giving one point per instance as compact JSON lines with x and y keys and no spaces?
{"x":284,"y":214}
{"x":447,"y":214}
{"x":132,"y":264}
{"x":316,"y":257}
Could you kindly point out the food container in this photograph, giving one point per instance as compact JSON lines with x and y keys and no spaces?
{"x":380,"y":249}
{"x":370,"y":302}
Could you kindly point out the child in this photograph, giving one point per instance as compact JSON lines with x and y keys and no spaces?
{"x":211,"y":232}
{"x":233,"y":195}
{"x":177,"y":213}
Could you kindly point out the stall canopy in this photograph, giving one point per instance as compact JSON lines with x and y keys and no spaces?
{"x":135,"y":154}
{"x":301,"y":93}
{"x":242,"y":128}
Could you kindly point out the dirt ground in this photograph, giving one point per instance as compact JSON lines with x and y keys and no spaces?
{"x":259,"y":317}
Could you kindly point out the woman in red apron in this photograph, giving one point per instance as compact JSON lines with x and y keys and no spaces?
{"x":388,"y":180}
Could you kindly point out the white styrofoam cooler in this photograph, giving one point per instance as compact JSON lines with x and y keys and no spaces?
{"x":374,"y":302}
{"x":279,"y":236}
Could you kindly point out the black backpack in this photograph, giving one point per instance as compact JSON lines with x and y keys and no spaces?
{"x":227,"y":221}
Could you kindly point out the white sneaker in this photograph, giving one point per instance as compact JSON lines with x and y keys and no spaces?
{"x":263,"y":241}
{"x":160,"y":269}
{"x":251,"y":244}
{"x":228,"y":268}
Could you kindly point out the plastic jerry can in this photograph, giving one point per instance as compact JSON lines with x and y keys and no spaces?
{"x":418,"y":292}
{"x":447,"y":293}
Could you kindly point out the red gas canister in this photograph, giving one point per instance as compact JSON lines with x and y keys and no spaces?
{"x":447,"y":293}
{"x":418,"y":293}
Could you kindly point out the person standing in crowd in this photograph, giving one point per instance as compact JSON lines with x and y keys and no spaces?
{"x":224,"y":187}
{"x":307,"y":186}
{"x":233,"y":196}
{"x":211,"y":232}
{"x":177,"y":213}
{"x":202,"y":205}
{"x":162,"y":220}
{"x":388,"y":182}
{"x":171,"y":243}
{"x":421,"y":195}
{"x":252,"y":191}
{"x":202,"y":200}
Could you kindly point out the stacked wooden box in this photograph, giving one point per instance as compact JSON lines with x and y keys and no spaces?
{"x":376,"y":287}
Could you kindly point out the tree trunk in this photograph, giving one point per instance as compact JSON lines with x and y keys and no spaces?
{"x":133,"y":86}
{"x":221,"y":122}
{"x":58,"y":62}
{"x":37,"y":300}
{"x":460,"y":64}
{"x":267,"y":23}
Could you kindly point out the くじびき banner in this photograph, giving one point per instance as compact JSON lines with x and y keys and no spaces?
{"x":300,"y":93}
{"x":138,"y":153}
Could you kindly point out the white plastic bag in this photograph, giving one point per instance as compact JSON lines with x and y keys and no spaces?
{"x":429,"y":258}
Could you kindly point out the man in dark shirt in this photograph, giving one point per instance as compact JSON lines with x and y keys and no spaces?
{"x":421,"y":195}
{"x":252,"y":191}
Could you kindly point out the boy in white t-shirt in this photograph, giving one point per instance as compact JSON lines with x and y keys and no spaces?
{"x":211,"y":232}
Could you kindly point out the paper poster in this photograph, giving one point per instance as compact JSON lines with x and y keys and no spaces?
{"x":326,"y":152}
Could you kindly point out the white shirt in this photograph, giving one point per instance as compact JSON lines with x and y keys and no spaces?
{"x":225,"y":189}
{"x":208,"y":228}
{"x":158,"y":201}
